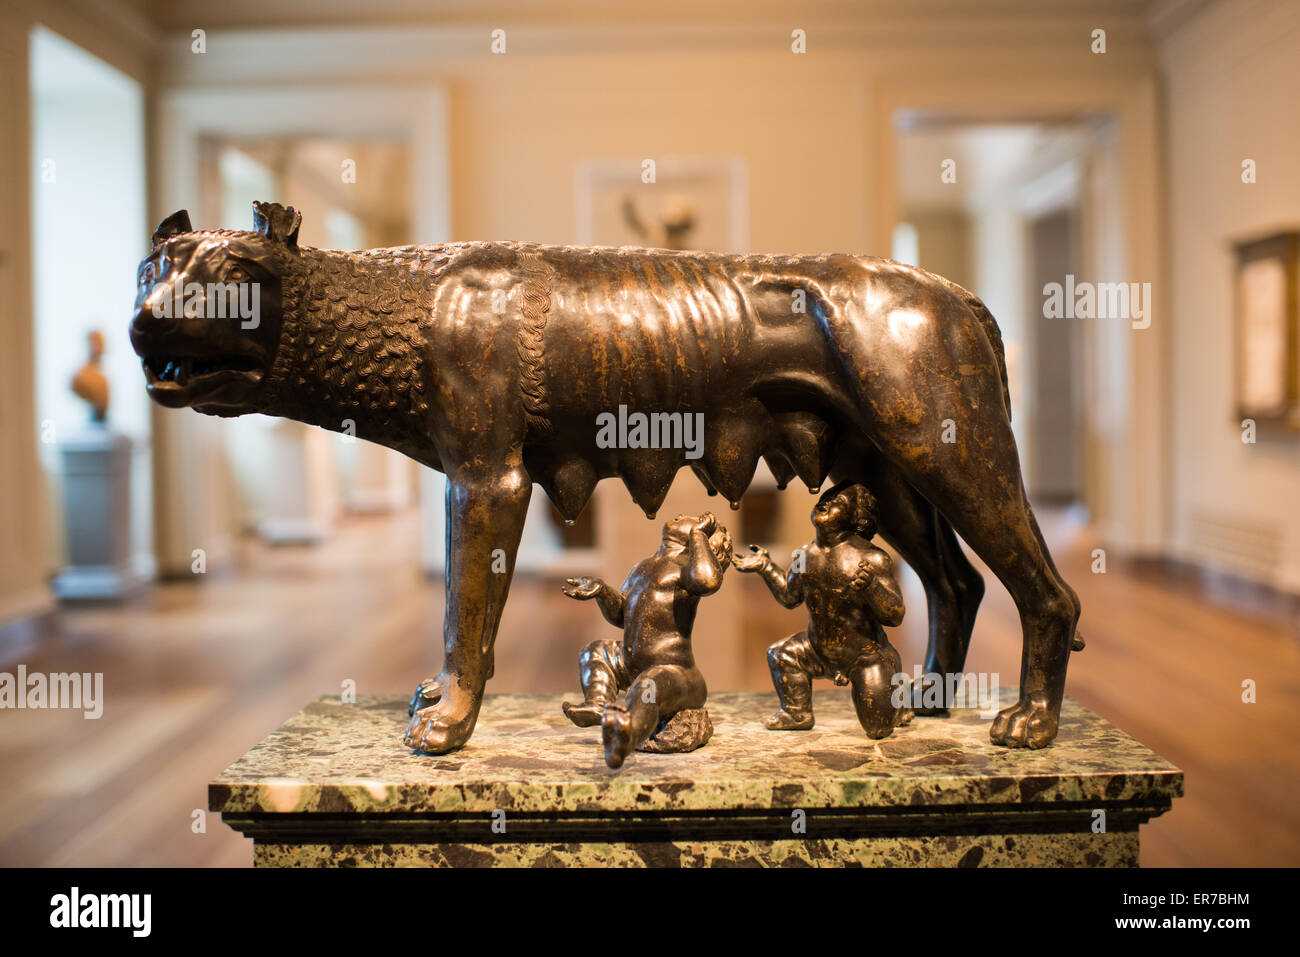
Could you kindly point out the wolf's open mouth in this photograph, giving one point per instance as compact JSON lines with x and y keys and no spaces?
{"x":181,"y":369}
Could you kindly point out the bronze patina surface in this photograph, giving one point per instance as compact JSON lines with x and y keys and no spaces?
{"x":491,"y":361}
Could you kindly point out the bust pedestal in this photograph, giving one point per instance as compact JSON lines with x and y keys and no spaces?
{"x":335,"y":787}
{"x":97,"y":517}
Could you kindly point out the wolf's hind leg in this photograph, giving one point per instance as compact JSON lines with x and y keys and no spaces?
{"x":925,"y":540}
{"x":931,"y":399}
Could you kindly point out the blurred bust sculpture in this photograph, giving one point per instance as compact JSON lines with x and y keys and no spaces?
{"x":90,"y":383}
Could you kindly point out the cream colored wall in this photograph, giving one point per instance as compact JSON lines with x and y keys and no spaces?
{"x":1232,"y":76}
{"x":24,"y":552}
{"x":944,"y":243}
{"x":515,"y":155}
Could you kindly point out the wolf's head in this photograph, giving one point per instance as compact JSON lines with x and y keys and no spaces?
{"x":208,"y":310}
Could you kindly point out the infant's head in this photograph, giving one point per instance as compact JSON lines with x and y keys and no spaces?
{"x":678,"y":532}
{"x":849,"y":506}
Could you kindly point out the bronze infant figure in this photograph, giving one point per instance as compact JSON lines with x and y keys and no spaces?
{"x":491,"y":361}
{"x":663,"y":708}
{"x":849,"y":587}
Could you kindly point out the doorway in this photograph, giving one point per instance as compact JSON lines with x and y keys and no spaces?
{"x":997,"y":207}
{"x":1057,"y":467}
{"x":88,"y":166}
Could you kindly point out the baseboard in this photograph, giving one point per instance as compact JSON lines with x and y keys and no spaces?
{"x":1219,"y":585}
{"x":1282,"y":580}
{"x":292,"y":531}
{"x":97,"y":583}
{"x":27,"y":603}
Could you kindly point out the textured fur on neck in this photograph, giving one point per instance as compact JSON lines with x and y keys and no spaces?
{"x":353,"y":340}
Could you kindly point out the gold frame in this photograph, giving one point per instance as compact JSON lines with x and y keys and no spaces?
{"x":1285,"y":249}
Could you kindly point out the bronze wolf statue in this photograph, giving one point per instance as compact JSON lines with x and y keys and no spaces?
{"x":491,"y":361}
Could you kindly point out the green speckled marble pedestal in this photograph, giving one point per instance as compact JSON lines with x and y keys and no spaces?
{"x":336,"y":787}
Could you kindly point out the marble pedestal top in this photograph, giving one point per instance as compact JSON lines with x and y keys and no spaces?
{"x":341,"y":764}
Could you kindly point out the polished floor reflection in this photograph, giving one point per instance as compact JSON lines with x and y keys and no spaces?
{"x":195,"y":674}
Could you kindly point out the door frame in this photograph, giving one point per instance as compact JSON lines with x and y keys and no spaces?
{"x":1130,"y":490}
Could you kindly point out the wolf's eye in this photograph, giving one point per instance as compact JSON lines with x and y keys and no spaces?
{"x":236,"y":274}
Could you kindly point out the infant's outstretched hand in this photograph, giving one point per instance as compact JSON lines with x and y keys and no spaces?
{"x":582,"y":588}
{"x":706,"y":524}
{"x":752,"y":562}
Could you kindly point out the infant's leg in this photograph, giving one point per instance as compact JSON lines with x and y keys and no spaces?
{"x":659,"y":691}
{"x":872,"y":681}
{"x":794,"y":663}
{"x":603,"y":674}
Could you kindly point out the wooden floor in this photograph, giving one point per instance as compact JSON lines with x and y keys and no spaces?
{"x":197,"y":673}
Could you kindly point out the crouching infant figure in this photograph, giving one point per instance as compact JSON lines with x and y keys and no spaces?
{"x":653,"y":667}
{"x":850,"y":589}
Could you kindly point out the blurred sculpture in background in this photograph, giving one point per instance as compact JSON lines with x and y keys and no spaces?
{"x":90,"y":383}
{"x":672,"y":231}
{"x":850,"y":589}
{"x":653,"y":667}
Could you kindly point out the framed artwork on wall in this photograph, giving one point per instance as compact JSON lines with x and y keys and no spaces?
{"x":1267,"y":332}
{"x":674,"y":202}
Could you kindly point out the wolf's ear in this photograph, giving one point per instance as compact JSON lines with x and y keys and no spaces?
{"x":175,"y":224}
{"x":277,"y":222}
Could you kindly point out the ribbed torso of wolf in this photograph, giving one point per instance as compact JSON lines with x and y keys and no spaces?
{"x":792,"y":359}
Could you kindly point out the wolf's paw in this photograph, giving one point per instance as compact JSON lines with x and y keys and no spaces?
{"x":444,"y":726}
{"x":1029,"y":723}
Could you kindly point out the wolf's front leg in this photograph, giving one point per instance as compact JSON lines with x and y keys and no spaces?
{"x":485,"y":518}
